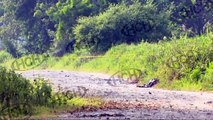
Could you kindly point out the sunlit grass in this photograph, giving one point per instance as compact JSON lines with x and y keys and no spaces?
{"x":150,"y":57}
{"x":73,"y":105}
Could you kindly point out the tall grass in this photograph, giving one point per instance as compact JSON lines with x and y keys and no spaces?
{"x":4,"y":56}
{"x":183,"y":64}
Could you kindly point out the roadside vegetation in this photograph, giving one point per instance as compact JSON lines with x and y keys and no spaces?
{"x":4,"y":56}
{"x":166,"y":39}
{"x":180,"y":64}
{"x":22,"y":98}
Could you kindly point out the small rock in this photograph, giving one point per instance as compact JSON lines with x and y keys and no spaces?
{"x":150,"y":93}
{"x":84,"y":115}
{"x":67,"y":76}
{"x":147,"y":115}
{"x":105,"y":115}
{"x":208,"y":102}
{"x":208,"y":113}
{"x":126,"y":118}
{"x":119,"y":115}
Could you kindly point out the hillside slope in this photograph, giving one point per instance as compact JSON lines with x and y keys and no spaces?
{"x":182,"y":64}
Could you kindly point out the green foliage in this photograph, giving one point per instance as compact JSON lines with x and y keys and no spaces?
{"x":65,"y":14}
{"x":11,"y":29}
{"x":1,"y":12}
{"x":183,"y":64}
{"x":31,"y":26}
{"x":19,"y":96}
{"x":193,"y":14}
{"x":4,"y":56}
{"x":25,"y":30}
{"x":196,"y":74}
{"x":99,"y":33}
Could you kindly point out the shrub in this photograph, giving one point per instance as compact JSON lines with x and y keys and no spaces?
{"x":122,"y":23}
{"x":16,"y":94}
{"x":4,"y":56}
{"x":19,"y":96}
{"x":184,"y":63}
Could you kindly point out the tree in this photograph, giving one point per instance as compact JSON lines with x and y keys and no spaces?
{"x":10,"y":30}
{"x":65,"y":14}
{"x":193,"y":15}
{"x":23,"y":29}
{"x":123,"y":23}
{"x":35,"y":26}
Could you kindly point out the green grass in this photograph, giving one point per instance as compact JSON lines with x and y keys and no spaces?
{"x":76,"y":104}
{"x":73,"y":105}
{"x":194,"y":71}
{"x":4,"y":56}
{"x":22,"y":97}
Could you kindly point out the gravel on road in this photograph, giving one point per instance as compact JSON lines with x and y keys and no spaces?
{"x":129,"y":101}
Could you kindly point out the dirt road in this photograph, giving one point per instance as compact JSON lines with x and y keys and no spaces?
{"x":130,"y":102}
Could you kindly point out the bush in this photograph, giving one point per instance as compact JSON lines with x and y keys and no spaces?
{"x":123,"y":23}
{"x":16,"y":94}
{"x":19,"y":96}
{"x":184,"y":63}
{"x":4,"y":56}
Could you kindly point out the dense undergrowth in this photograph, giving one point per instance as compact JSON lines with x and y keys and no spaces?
{"x":4,"y":56}
{"x":181,"y":64}
{"x":21,"y":98}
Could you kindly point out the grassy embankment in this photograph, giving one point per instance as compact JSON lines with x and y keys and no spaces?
{"x":181,"y":64}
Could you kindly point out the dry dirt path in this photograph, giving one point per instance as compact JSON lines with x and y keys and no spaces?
{"x":137,"y":103}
